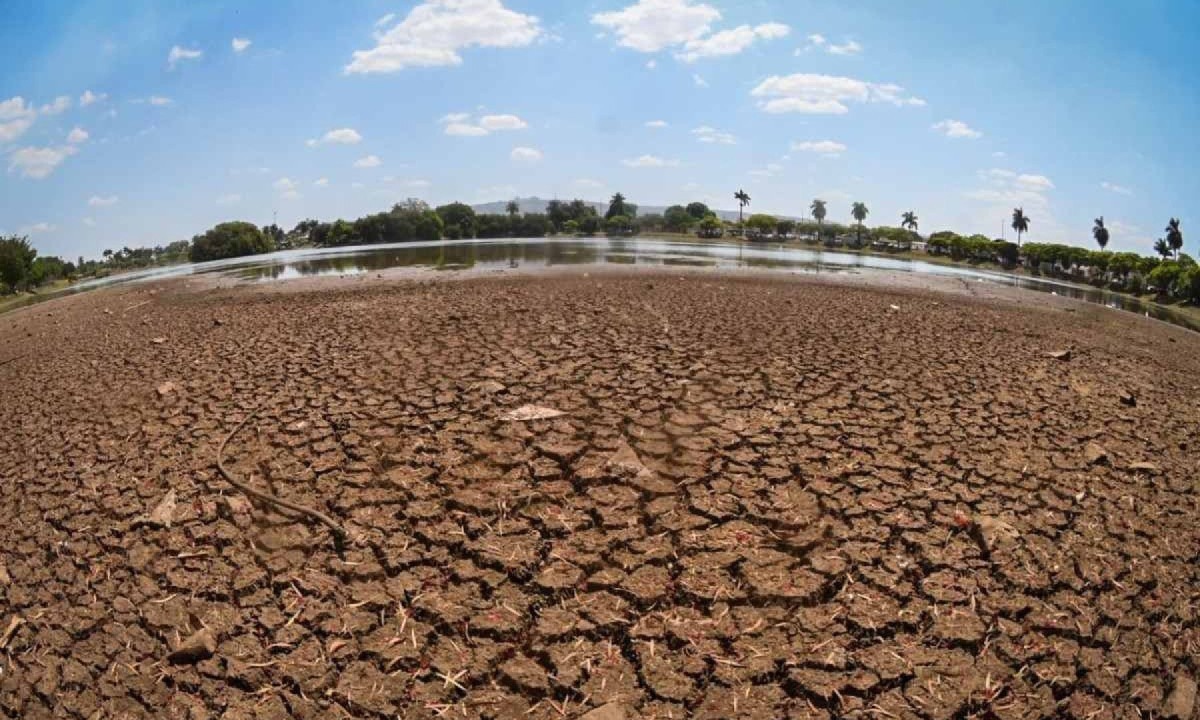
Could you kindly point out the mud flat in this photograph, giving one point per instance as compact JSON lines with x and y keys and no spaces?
{"x":755,"y":498}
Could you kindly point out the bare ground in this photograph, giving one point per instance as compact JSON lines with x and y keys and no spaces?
{"x":764,"y":498}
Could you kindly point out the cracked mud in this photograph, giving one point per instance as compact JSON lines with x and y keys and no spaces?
{"x":712,"y":497}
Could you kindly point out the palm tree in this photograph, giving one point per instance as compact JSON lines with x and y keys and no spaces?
{"x":859,"y":211}
{"x":1020,"y":223}
{"x":1100,"y":233}
{"x":1174,"y":236}
{"x":908,"y":221}
{"x":1162,"y":248}
{"x":512,"y":208}
{"x":743,"y":200}
{"x":818,"y":212}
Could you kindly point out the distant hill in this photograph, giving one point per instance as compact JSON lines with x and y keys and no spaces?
{"x":538,"y":205}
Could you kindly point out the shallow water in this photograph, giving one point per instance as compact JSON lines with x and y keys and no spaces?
{"x":555,"y":252}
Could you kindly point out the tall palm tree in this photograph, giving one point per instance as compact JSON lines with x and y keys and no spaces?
{"x":859,"y":211}
{"x":1020,"y":223}
{"x":1162,"y":248}
{"x":908,"y":221}
{"x":1174,"y":236}
{"x":743,"y":200}
{"x":818,"y":212}
{"x":1100,"y":233}
{"x":512,"y":208}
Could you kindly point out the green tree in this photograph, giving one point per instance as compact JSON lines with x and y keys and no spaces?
{"x":230,"y":239}
{"x":1174,"y":236}
{"x":742,"y":200}
{"x":1020,"y":223}
{"x":16,"y":261}
{"x":677,"y":218}
{"x":859,"y":212}
{"x":710,"y":227}
{"x":908,"y":221}
{"x":817,"y":209}
{"x":1100,"y":233}
{"x":459,"y":216}
{"x":558,"y":212}
{"x":1163,"y":248}
{"x":617,"y":206}
{"x":513,"y":209}
{"x":698,"y":210}
{"x":761,"y":224}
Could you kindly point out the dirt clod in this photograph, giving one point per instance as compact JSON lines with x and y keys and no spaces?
{"x":531,"y":412}
{"x":198,"y":646}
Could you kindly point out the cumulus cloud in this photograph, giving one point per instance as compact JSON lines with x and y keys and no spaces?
{"x":370,"y":161}
{"x":287,"y":187}
{"x":60,"y":104}
{"x":240,"y":44}
{"x":102,"y":201}
{"x":829,"y":148}
{"x":525,"y":154}
{"x":1118,"y":189}
{"x":649,"y":161}
{"x":433,"y":33}
{"x":77,"y":136}
{"x":462,"y":125}
{"x":656,"y":124}
{"x":39,"y":162}
{"x":16,"y":116}
{"x":1005,"y":189}
{"x":730,"y":42}
{"x":90,"y":98}
{"x":706,"y":134}
{"x":178,"y":54}
{"x":340,"y":136}
{"x":957,"y":129}
{"x":816,"y":41}
{"x":825,"y":94}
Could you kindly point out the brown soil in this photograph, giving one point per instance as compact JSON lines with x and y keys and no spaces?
{"x":765,"y":498}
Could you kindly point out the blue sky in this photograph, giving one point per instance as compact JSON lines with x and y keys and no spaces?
{"x":135,"y":123}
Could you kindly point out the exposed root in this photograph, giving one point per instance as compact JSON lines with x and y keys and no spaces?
{"x":339,"y":532}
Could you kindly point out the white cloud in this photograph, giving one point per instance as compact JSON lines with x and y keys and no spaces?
{"x":525,"y":154}
{"x":385,"y":19}
{"x":1118,"y":189}
{"x":651,"y":25}
{"x":501,"y":122}
{"x":231,"y":199}
{"x":829,"y":148}
{"x":159,"y":101}
{"x":956,"y":129}
{"x":816,"y":41}
{"x":706,"y":134}
{"x":649,"y":161}
{"x":434,"y":32}
{"x":340,"y":136}
{"x":730,"y":42}
{"x":460,"y":124}
{"x":181,"y":53}
{"x":41,"y":227}
{"x":1034,"y":183}
{"x":77,"y":135}
{"x":59,"y":105}
{"x":369,"y":161}
{"x":322,"y":182}
{"x":99,"y":201}
{"x":90,"y":98}
{"x":825,"y":94}
{"x":1004,"y":190}
{"x":16,"y":116}
{"x":656,"y":124}
{"x":39,"y":163}
{"x":240,"y":44}
{"x":651,"y":64}
{"x":699,"y":81}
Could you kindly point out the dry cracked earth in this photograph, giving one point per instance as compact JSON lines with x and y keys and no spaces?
{"x":763,"y":498}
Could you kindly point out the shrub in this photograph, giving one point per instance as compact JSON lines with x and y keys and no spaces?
{"x":230,"y":239}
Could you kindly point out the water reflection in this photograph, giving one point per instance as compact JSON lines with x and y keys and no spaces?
{"x":551,"y":252}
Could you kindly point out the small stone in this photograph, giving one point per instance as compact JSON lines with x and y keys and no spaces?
{"x":1059,"y":354}
{"x":158,"y":340}
{"x":218,"y":322}
{"x":200,"y":645}
{"x":1128,"y":399}
{"x":491,"y":386}
{"x":1095,"y":454}
{"x":166,"y":388}
{"x":611,"y":711}
{"x":995,"y":532}
{"x":531,"y":412}
{"x":1144,"y":467}
{"x":162,"y":515}
{"x":1182,"y":699}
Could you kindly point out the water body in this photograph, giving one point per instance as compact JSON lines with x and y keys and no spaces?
{"x":556,"y":252}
